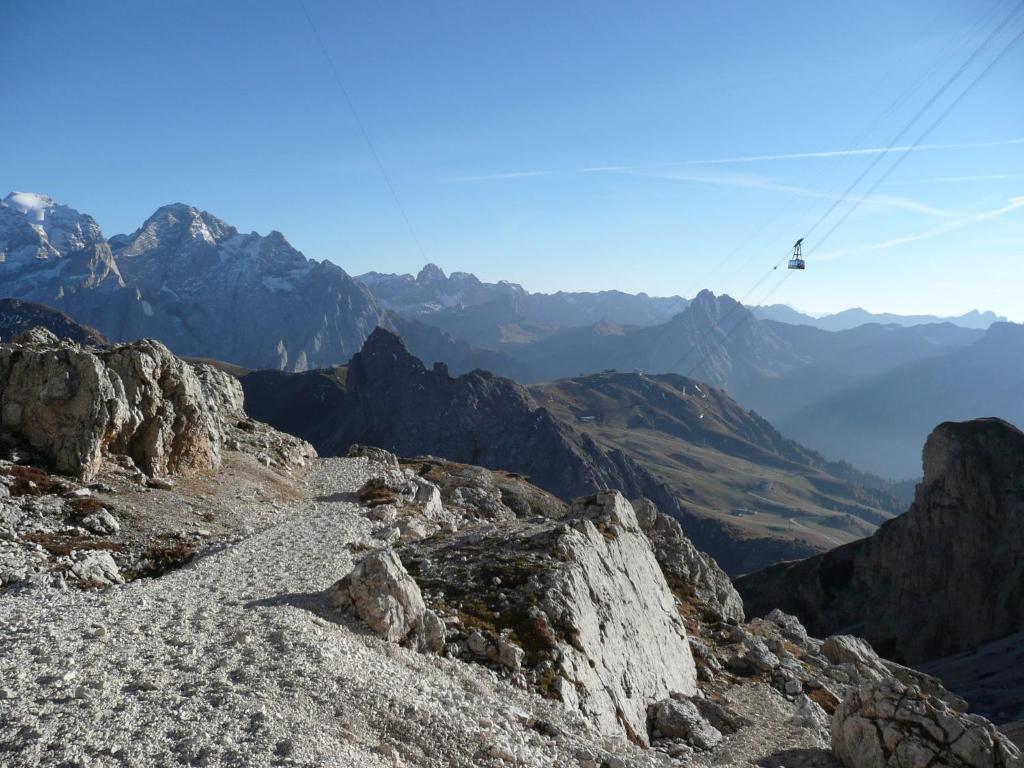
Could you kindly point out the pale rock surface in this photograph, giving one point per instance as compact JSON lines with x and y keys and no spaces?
{"x":578,"y":603}
{"x":679,"y":718}
{"x":629,"y":645}
{"x":101,"y":522}
{"x":76,"y":405}
{"x":382,"y":593}
{"x":685,"y":567}
{"x":888,"y":725}
{"x":847,"y":649}
{"x":96,"y":568}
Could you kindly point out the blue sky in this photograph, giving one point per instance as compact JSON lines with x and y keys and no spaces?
{"x":559,"y":145}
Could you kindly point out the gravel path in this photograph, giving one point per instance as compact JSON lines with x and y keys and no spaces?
{"x":233,"y":661}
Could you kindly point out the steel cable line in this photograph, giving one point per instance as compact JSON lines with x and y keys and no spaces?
{"x":948,"y":50}
{"x":927,"y":105}
{"x":935,"y":124}
{"x":362,"y":130}
{"x":963,"y":67}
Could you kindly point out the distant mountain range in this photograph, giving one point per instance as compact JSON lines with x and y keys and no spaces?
{"x":851,"y":318}
{"x":206,"y":290}
{"x":868,"y":395}
{"x":433,"y":293}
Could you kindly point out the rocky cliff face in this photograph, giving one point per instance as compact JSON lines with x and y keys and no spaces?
{"x":585,"y":604}
{"x":577,"y":606}
{"x":189,"y":279}
{"x":944,"y":577}
{"x":78,"y":405}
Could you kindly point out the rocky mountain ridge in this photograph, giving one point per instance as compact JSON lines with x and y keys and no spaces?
{"x":431,"y":292}
{"x":436,"y":297}
{"x":190,"y":280}
{"x":852,"y":318}
{"x":556,"y":434}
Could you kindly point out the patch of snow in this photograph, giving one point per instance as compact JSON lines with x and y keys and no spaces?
{"x":278,"y":284}
{"x":147,"y":308}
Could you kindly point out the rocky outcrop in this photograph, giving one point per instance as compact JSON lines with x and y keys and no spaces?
{"x":576,"y":602}
{"x":888,"y":725}
{"x":612,"y":600}
{"x":690,"y":572}
{"x":380,"y":592}
{"x":942,"y":578}
{"x":575,"y":607}
{"x":76,"y":405}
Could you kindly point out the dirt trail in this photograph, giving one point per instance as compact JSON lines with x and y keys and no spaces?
{"x":231,"y":661}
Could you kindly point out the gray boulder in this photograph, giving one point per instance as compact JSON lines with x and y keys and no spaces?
{"x":375,"y":455}
{"x":382,"y":593}
{"x":790,"y":626}
{"x":101,"y":522}
{"x":679,"y":718}
{"x":847,"y":649}
{"x":888,"y":725}
{"x":77,"y":405}
{"x":95,"y":569}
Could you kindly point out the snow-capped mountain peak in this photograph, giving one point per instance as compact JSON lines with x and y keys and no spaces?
{"x":176,"y":225}
{"x":32,"y":205}
{"x":33,"y":225}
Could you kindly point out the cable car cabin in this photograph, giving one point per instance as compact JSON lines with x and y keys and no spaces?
{"x":796,"y":261}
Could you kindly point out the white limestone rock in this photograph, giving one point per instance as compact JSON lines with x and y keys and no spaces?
{"x":101,"y":522}
{"x":889,"y":725}
{"x":95,"y":568}
{"x":679,"y":718}
{"x":380,"y":591}
{"x":629,"y":646}
{"x":847,"y":649}
{"x":77,"y":405}
{"x":686,"y":567}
